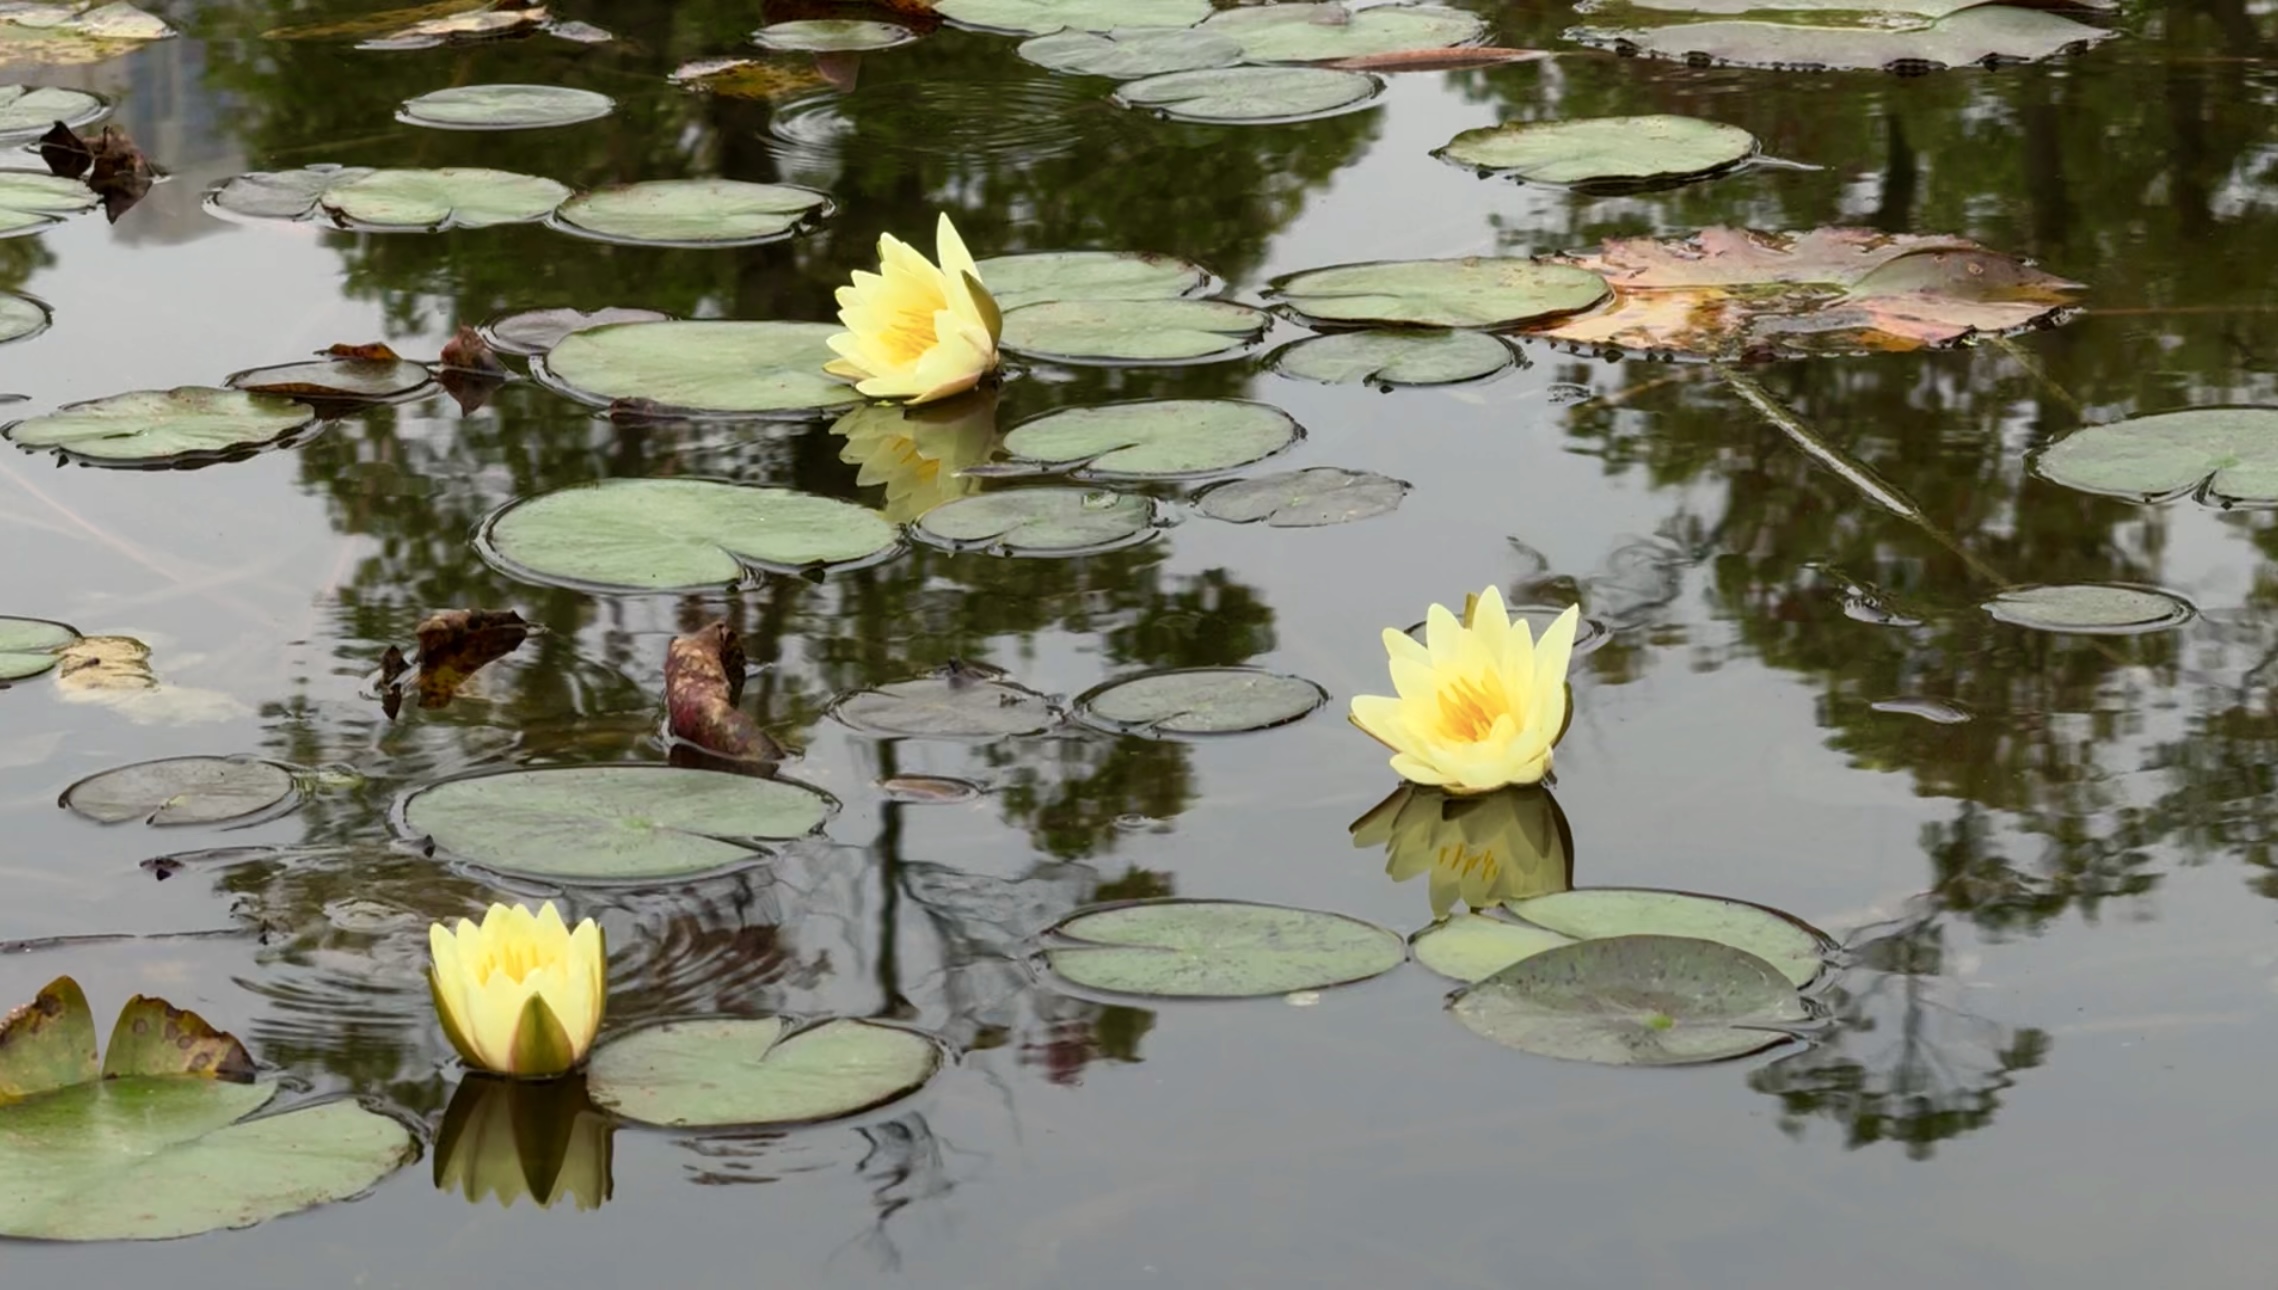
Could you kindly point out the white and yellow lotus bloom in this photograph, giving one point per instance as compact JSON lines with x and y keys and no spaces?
{"x":916,"y":330}
{"x":1480,"y":850}
{"x":1480,"y":702}
{"x":520,"y":993}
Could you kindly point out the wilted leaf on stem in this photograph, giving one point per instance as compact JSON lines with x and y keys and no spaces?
{"x":703,"y":684}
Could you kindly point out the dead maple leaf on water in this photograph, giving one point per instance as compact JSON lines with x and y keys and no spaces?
{"x":703,"y":684}
{"x":112,"y":165}
{"x":453,"y":645}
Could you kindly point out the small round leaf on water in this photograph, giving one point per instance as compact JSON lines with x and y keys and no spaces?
{"x":536,"y":331}
{"x":1635,"y":1001}
{"x":956,"y":706}
{"x":1131,"y":331}
{"x":1480,"y":291}
{"x":2092,"y":609}
{"x":1040,"y":521}
{"x":1388,"y":358}
{"x":30,"y":110}
{"x":754,"y":368}
{"x":1156,"y":438}
{"x":1315,"y":32}
{"x":1133,"y":53}
{"x":756,"y":1070}
{"x":673,"y":534}
{"x":184,"y":790}
{"x":156,"y":426}
{"x":30,"y":646}
{"x":1796,"y":948}
{"x":1250,"y":95}
{"x":21,"y":317}
{"x":1209,"y":949}
{"x":1615,"y":150}
{"x":1473,"y":947}
{"x":453,"y":197}
{"x":1038,"y":17}
{"x":692,"y":212}
{"x":505,"y":107}
{"x":2228,"y":455}
{"x":832,"y":35}
{"x":1200,"y":701}
{"x":1300,"y":499}
{"x":1041,"y":276}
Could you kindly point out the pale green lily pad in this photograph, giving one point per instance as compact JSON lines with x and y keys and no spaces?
{"x":1156,"y":438}
{"x":280,"y":194}
{"x":30,"y":646}
{"x":1635,"y":1001}
{"x":1040,"y":521}
{"x":185,"y":790}
{"x":1131,"y":53}
{"x":747,"y":1071}
{"x":1625,"y":151}
{"x":152,"y":427}
{"x":957,"y":705}
{"x":452,"y":197}
{"x":357,"y":380}
{"x":31,"y":200}
{"x":1251,"y":95}
{"x":1985,"y":34}
{"x":21,"y":317}
{"x":1199,"y":701}
{"x":693,"y":212}
{"x":630,"y":823}
{"x":1794,"y":947}
{"x":1040,"y":17}
{"x":505,"y":107}
{"x":1132,"y":331}
{"x":677,"y":534}
{"x":1311,"y":33}
{"x":27,"y":111}
{"x":1039,"y":277}
{"x":1481,"y":291}
{"x":1388,"y":358}
{"x":2228,"y":456}
{"x":832,"y":35}
{"x":536,"y":331}
{"x":750,"y":368}
{"x":69,"y":34}
{"x":1304,"y":499}
{"x":1886,"y":13}
{"x":1216,"y":949}
{"x":1473,"y":947}
{"x":2092,"y":609}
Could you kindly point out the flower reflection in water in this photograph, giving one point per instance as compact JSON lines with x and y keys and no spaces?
{"x":920,"y":453}
{"x":1480,"y":849}
{"x":508,"y":1138}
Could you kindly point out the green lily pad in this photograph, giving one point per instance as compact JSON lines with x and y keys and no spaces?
{"x":1480,"y":291}
{"x":1796,"y":948}
{"x":1016,"y":280}
{"x":630,"y":823}
{"x":954,"y":706}
{"x":1250,"y":95}
{"x":1199,"y":701}
{"x":1625,"y":151}
{"x":832,"y":35}
{"x":2227,"y":456}
{"x":1040,"y":521}
{"x":749,"y":368}
{"x":1311,"y":33}
{"x":1871,"y":12}
{"x":537,"y":331}
{"x":1473,"y":947}
{"x":1304,"y":499}
{"x":1131,"y":331}
{"x":758,"y":1070}
{"x":1216,"y":949}
{"x":505,"y":107}
{"x":1388,"y":358}
{"x":185,"y":790}
{"x":693,"y":212}
{"x":21,"y":317}
{"x":68,"y":34}
{"x":1040,"y":17}
{"x":1634,"y":1001}
{"x":1131,"y":53}
{"x":675,"y":534}
{"x":1156,"y":438}
{"x":30,"y":201}
{"x":1985,"y":34}
{"x":358,"y":380}
{"x":2092,"y":609}
{"x":453,"y":197}
{"x":30,"y":646}
{"x":152,"y":427}
{"x":27,"y":111}
{"x":281,"y":194}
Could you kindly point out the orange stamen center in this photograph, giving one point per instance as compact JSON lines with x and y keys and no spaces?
{"x":1468,"y":707}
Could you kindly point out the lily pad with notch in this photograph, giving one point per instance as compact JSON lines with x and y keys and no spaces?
{"x":615,"y":823}
{"x":1251,"y":95}
{"x":1388,"y":358}
{"x":1641,"y":1000}
{"x":702,"y":368}
{"x":1132,"y":331}
{"x":1473,"y":947}
{"x":1984,"y":34}
{"x":832,"y":35}
{"x":21,"y":317}
{"x":1300,"y":32}
{"x":2227,"y":456}
{"x":537,"y":331}
{"x":2092,"y":609}
{"x":1199,"y":701}
{"x":1797,"y":949}
{"x":447,"y":198}
{"x":1040,"y":522}
{"x":1315,"y":497}
{"x":1155,"y":438}
{"x":1624,"y":152}
{"x":31,"y":201}
{"x":505,"y":107}
{"x":27,"y":111}
{"x":1131,"y":53}
{"x":956,"y":704}
{"x":279,"y":194}
{"x":186,"y":790}
{"x":30,"y":646}
{"x":190,"y":424}
{"x":747,"y":1071}
{"x":692,"y":212}
{"x":1477,"y":291}
{"x":1214,"y":949}
{"x":1041,"y":276}
{"x":1041,"y":17}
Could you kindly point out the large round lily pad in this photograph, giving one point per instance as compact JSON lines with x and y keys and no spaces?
{"x":1155,"y":439}
{"x":30,"y":646}
{"x":452,"y":197}
{"x":1624,"y":151}
{"x":537,"y":331}
{"x":32,"y":200}
{"x":1040,"y":521}
{"x":27,"y":111}
{"x":280,"y":194}
{"x":185,"y":790}
{"x":21,"y":317}
{"x":1250,"y":95}
{"x":2092,"y":609}
{"x":1479,"y":291}
{"x":1796,"y":948}
{"x":1303,"y":499}
{"x":1130,"y":54}
{"x":2223,"y":455}
{"x":1988,"y":33}
{"x":672,"y":534}
{"x":505,"y":107}
{"x":752,"y":368}
{"x":1132,"y":331}
{"x":692,"y":212}
{"x":955,"y":706}
{"x":1635,"y":1001}
{"x":832,"y":35}
{"x":1038,"y":17}
{"x":1473,"y":947}
{"x":155,"y":427}
{"x":630,"y":823}
{"x":1215,"y":949}
{"x":1016,"y":280}
{"x":1200,"y":701}
{"x":758,"y":1070}
{"x":1388,"y":358}
{"x":1316,"y":32}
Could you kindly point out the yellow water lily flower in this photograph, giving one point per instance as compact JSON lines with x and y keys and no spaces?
{"x":915,"y":330}
{"x":519,"y":994}
{"x":1480,"y":701}
{"x":1482,"y":850}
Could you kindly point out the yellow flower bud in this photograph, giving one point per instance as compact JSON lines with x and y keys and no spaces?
{"x":519,"y":994}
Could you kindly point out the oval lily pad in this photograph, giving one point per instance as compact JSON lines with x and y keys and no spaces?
{"x":185,"y":790}
{"x":1251,"y":95}
{"x":955,"y":706}
{"x":692,"y":212}
{"x":631,"y":823}
{"x":21,"y":317}
{"x":281,"y":194}
{"x":1132,"y":331}
{"x":1016,"y":280}
{"x":30,"y":646}
{"x":1635,"y":1001}
{"x":1215,"y":949}
{"x":752,"y":368}
{"x":758,"y":1070}
{"x":1311,"y":33}
{"x":1156,"y":438}
{"x":30,"y":201}
{"x":1479,"y":291}
{"x":2223,"y":455}
{"x":431,"y":200}
{"x":1388,"y":358}
{"x":1624,"y":151}
{"x":1985,"y":34}
{"x":505,"y":107}
{"x":1797,"y":949}
{"x":2092,"y":609}
{"x":1199,"y":701}
{"x":537,"y":331}
{"x":675,"y":534}
{"x":155,"y":427}
{"x":1039,"y":17}
{"x":832,"y":35}
{"x":1301,"y":499}
{"x":1131,"y":53}
{"x":27,"y":111}
{"x":1040,"y":521}
{"x":354,"y":379}
{"x":1473,"y":947}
